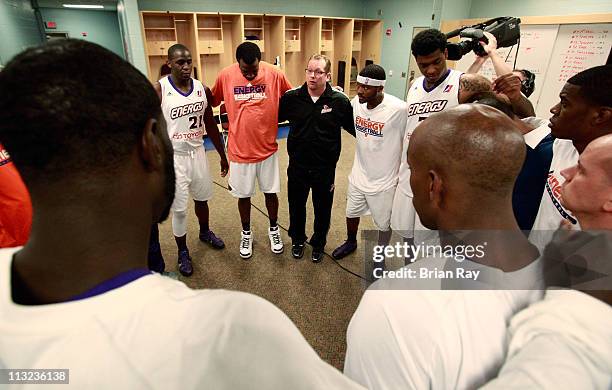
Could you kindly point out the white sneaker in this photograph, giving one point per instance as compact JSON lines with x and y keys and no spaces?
{"x":276,"y":242}
{"x":246,"y":244}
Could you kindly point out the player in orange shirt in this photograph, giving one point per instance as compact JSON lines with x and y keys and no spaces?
{"x":251,"y":91}
{"x":15,"y":205}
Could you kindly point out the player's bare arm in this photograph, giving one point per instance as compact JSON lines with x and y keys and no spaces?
{"x":470,"y":84}
{"x":510,"y":85}
{"x":157,"y":87}
{"x":213,"y":133}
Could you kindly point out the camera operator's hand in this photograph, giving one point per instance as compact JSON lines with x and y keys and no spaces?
{"x":490,"y":47}
{"x":509,"y":85}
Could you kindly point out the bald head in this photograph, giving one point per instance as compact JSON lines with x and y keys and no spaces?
{"x":474,"y":151}
{"x":587,"y":190}
{"x":602,"y":149}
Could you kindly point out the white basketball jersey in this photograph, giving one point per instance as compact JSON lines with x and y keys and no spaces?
{"x":421,"y":104}
{"x":184,"y":114}
{"x":551,"y":211}
{"x":379,"y":134}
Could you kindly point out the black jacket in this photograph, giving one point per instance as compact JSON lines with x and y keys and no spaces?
{"x":314,"y":140}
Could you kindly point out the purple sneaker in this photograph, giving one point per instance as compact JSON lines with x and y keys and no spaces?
{"x":184,"y":263}
{"x":345,"y":249}
{"x":210,"y":238}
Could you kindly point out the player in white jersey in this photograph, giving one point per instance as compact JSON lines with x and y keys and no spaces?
{"x":186,"y":107}
{"x":583,"y":114}
{"x":437,"y":90}
{"x":403,"y":338}
{"x":380,"y":122}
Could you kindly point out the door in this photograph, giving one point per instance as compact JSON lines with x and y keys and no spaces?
{"x":413,"y":69}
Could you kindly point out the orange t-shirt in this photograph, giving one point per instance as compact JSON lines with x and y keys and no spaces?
{"x":252,"y":109}
{"x":15,"y":205}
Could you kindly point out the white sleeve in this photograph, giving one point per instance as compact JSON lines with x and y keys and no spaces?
{"x":260,"y":348}
{"x":387,"y":346}
{"x":562,"y":342}
{"x":404,"y":120}
{"x":550,"y":362}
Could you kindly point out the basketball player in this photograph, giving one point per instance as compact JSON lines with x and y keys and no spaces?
{"x":380,"y":123}
{"x":78,"y":296}
{"x":15,"y":205}
{"x":186,"y":106}
{"x":527,"y":193}
{"x":565,"y":341}
{"x":405,"y":334}
{"x":251,"y":91}
{"x":583,"y":114}
{"x":437,"y":90}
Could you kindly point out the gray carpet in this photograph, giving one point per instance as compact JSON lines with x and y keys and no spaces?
{"x":319,"y":298}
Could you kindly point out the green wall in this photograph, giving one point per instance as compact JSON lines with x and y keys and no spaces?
{"x":396,"y":47}
{"x":18,"y":28}
{"x":458,"y":9}
{"x":102,"y":27}
{"x":129,"y":25}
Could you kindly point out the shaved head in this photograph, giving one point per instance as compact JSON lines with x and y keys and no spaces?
{"x":587,"y":190}
{"x":472,"y":152}
{"x":602,"y":148}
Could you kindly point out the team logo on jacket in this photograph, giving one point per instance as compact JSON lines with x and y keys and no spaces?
{"x":427,"y":107}
{"x":199,"y":93}
{"x":553,"y":187}
{"x":187,"y":109}
{"x":4,"y":157}
{"x":326,"y":109}
{"x":250,"y":92}
{"x":369,"y":127}
{"x":448,"y":88}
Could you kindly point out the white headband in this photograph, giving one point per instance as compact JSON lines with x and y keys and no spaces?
{"x":369,"y":81}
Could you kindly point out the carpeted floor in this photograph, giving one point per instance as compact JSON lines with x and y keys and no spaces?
{"x":319,"y":298}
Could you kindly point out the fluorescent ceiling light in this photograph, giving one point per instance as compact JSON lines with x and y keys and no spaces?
{"x":87,"y":6}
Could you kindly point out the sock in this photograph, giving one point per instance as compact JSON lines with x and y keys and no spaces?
{"x":204,"y":228}
{"x":352,"y":237}
{"x":272,"y":223}
{"x":246,"y":226}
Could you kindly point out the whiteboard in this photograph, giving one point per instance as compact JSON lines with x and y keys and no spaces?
{"x":578,"y":47}
{"x":535,"y":49}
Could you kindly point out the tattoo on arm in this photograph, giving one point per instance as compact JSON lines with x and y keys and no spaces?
{"x":474,"y":84}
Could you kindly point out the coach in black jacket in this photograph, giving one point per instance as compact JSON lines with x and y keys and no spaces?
{"x":316,"y":113}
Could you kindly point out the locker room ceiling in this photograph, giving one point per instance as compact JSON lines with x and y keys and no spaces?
{"x":109,"y":5}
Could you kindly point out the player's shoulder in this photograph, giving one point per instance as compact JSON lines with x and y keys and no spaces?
{"x":198,"y":84}
{"x":269,"y":70}
{"x":239,"y":307}
{"x":228,"y":70}
{"x":564,"y":150}
{"x":456,"y":73}
{"x":416,"y":84}
{"x":162,"y":81}
{"x":394,"y":102}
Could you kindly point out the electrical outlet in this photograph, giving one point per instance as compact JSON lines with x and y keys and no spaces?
{"x":390,"y":73}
